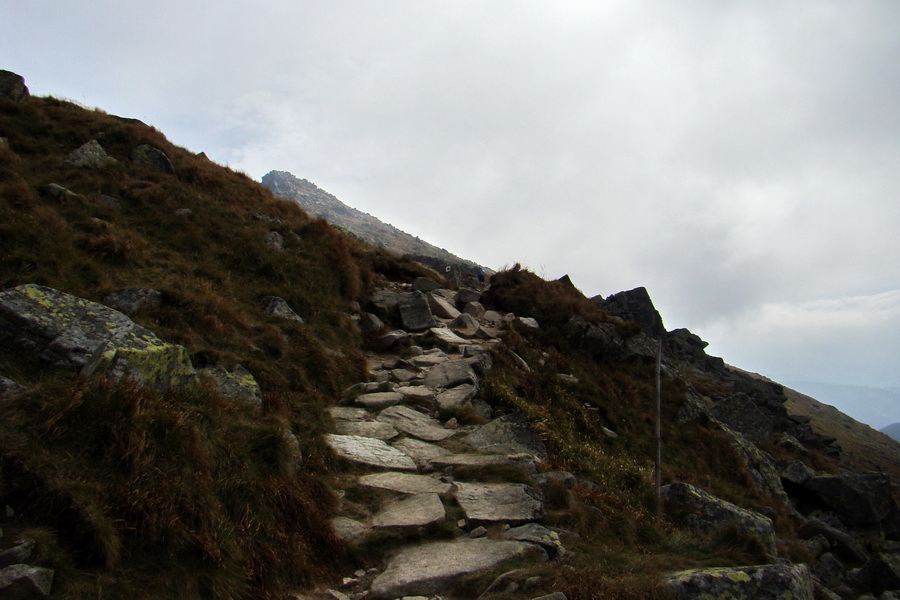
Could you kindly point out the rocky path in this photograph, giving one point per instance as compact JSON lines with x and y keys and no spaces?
{"x":401,"y":428}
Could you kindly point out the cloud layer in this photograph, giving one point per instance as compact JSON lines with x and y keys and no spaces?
{"x":738,"y":159}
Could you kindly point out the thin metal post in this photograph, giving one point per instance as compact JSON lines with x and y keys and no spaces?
{"x":658,"y":431}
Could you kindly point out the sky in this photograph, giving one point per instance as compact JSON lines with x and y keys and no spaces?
{"x":738,"y":159}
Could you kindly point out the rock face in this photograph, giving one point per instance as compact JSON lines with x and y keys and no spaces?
{"x":153,"y":159}
{"x":859,"y":499}
{"x":432,"y":568}
{"x":764,"y":582}
{"x":415,"y":313}
{"x":634,"y":305}
{"x":704,"y":512}
{"x":12,"y":86}
{"x":509,"y":434}
{"x":67,"y":331}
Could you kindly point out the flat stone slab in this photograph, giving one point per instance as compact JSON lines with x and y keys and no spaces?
{"x":348,"y":529}
{"x":348,"y":413}
{"x":476,"y":460}
{"x":414,"y":423}
{"x":450,"y":374}
{"x":415,"y":393}
{"x":430,"y":568}
{"x":763,"y":582}
{"x":448,"y":337}
{"x":370,"y":429}
{"x":421,"y":452}
{"x":454,"y":400}
{"x":405,"y":483}
{"x":379,"y":400}
{"x":513,"y":503}
{"x":418,"y":510}
{"x":510,"y":434}
{"x":370,"y":452}
{"x":430,"y":360}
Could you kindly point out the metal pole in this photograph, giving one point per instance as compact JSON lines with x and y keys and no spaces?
{"x":658,"y":431}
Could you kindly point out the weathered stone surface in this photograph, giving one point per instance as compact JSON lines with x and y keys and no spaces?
{"x":91,"y":155}
{"x":830,"y":571}
{"x":466,"y":295}
{"x":415,"y":313}
{"x":18,"y":554}
{"x":348,"y":529}
{"x":432,"y":568}
{"x":441,"y":307}
{"x":384,"y":303}
{"x":634,"y":305}
{"x":278,"y":307}
{"x":466,"y":325}
{"x":238,"y":385}
{"x":482,"y":460}
{"x":450,"y":374}
{"x":512,"y":503}
{"x":540,"y":535}
{"x":24,"y":582}
{"x":58,"y":192}
{"x":858,"y":499}
{"x":510,"y":434}
{"x":405,"y":483}
{"x":424,"y":284}
{"x":421,"y":452}
{"x":880,"y":573}
{"x":67,"y":331}
{"x":455,"y":400}
{"x":405,"y":375}
{"x":742,"y":414}
{"x":529,"y":322}
{"x":379,"y":400}
{"x":369,"y":451}
{"x":153,"y":159}
{"x":446,"y":336}
{"x":414,"y":423}
{"x":417,"y":510}
{"x":370,"y":323}
{"x":763,"y":582}
{"x":12,"y":86}
{"x":843,"y":542}
{"x":707,"y":513}
{"x":134,"y":299}
{"x":431,"y":359}
{"x":348,"y":413}
{"x":390,"y":339}
{"x":372,"y":429}
{"x":274,"y":240}
{"x":9,"y":388}
{"x":796,"y":473}
{"x":416,"y":394}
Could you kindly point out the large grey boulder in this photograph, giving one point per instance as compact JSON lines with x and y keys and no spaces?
{"x":415,"y":313}
{"x":238,"y":385}
{"x":414,"y":423}
{"x":369,"y":452}
{"x":153,"y":159}
{"x":432,"y":568}
{"x":384,"y":303}
{"x":25,"y":582}
{"x":90,"y":155}
{"x":706,"y":513}
{"x":509,"y":434}
{"x":417,"y":510}
{"x":450,"y":374}
{"x":741,"y":413}
{"x":71,"y":332}
{"x":762,"y":582}
{"x":12,"y":86}
{"x":513,"y":503}
{"x":455,"y":400}
{"x":634,"y":305}
{"x":441,"y":307}
{"x":858,"y":499}
{"x":18,"y":554}
{"x":278,"y":307}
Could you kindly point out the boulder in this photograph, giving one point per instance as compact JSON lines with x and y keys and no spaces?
{"x":762,"y":582}
{"x":446,"y":337}
{"x":455,"y":400}
{"x":9,"y":388}
{"x":441,"y":307}
{"x":348,"y":413}
{"x":450,"y":374}
{"x":25,"y":582}
{"x":474,"y":309}
{"x":433,"y":567}
{"x":537,"y":534}
{"x":513,"y":503}
{"x":425,"y":285}
{"x":274,"y":240}
{"x":415,"y":313}
{"x":239,"y":385}
{"x":880,"y":573}
{"x":71,"y":332}
{"x":708,"y":514}
{"x":858,"y":499}
{"x":369,"y":452}
{"x":742,"y":414}
{"x":509,"y":434}
{"x":12,"y":87}
{"x":530,"y":322}
{"x":390,"y":339}
{"x":91,"y":155}
{"x":417,"y":510}
{"x":422,"y":453}
{"x":134,"y":299}
{"x":634,"y":305}
{"x":405,"y":483}
{"x":843,"y":542}
{"x":278,"y":307}
{"x":58,"y":192}
{"x":414,"y":423}
{"x":379,"y":400}
{"x":18,"y":554}
{"x":465,"y":296}
{"x":830,"y":571}
{"x":153,"y":159}
{"x":465,"y":324}
{"x":370,"y":323}
{"x":453,"y":461}
{"x":347,"y":529}
{"x":372,"y":429}
{"x":384,"y":303}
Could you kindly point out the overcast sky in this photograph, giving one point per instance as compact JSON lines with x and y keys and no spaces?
{"x":739,"y":159}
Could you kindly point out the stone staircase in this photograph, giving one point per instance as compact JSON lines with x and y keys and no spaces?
{"x":401,"y":430}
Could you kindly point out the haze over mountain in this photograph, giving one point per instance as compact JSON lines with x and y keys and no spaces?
{"x":876,"y":407}
{"x":893,"y":431}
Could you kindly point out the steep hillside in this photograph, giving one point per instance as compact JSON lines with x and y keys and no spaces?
{"x":876,"y":406}
{"x":206,"y":392}
{"x":364,"y":226}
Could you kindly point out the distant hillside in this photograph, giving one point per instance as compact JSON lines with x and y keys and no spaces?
{"x":364,"y":226}
{"x":892,"y":431}
{"x":877,"y":407}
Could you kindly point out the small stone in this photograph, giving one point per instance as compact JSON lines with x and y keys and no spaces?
{"x":478,"y":532}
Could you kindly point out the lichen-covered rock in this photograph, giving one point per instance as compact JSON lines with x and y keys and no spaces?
{"x":763,"y":582}
{"x":91,"y":155}
{"x":153,"y":159}
{"x":239,"y":385}
{"x":540,"y":535}
{"x":68,"y":331}
{"x":707,"y":513}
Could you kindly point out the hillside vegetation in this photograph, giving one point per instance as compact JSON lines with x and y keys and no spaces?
{"x":132,"y":491}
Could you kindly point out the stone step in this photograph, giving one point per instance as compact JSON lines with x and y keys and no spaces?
{"x":417,"y":510}
{"x":369,"y":452}
{"x":405,"y":483}
{"x":414,"y":423}
{"x":512,"y":503}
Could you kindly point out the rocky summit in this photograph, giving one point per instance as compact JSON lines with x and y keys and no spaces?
{"x":208,"y":392}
